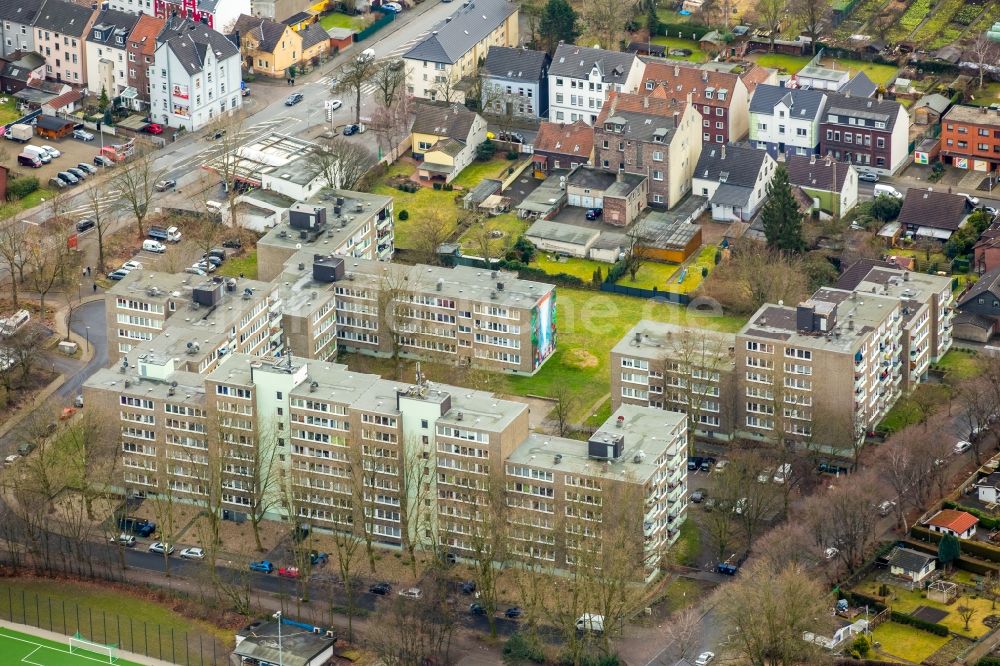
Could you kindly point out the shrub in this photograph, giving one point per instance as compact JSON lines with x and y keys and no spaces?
{"x":718,"y":257}
{"x":448,"y":187}
{"x":512,"y":155}
{"x":965,"y":16}
{"x":931,"y":627}
{"x":403,"y":215}
{"x":523,"y":648}
{"x":21,"y":187}
{"x":704,"y":272}
{"x":436,"y":186}
{"x":485,"y":151}
{"x":860,"y":647}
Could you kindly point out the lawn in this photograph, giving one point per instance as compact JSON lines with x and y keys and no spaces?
{"x":600,"y":415}
{"x":988,"y":94}
{"x":909,"y":643}
{"x":581,"y":268}
{"x":422,"y":203}
{"x":245,"y":264}
{"x":8,"y":111}
{"x":338,"y":20}
{"x":16,"y":648}
{"x":907,"y":410}
{"x":906,"y":601}
{"x":32,"y":200}
{"x":687,"y":548}
{"x":934,"y":261}
{"x":789,"y":63}
{"x":697,"y":55}
{"x":653,"y":274}
{"x":960,"y":364}
{"x":476,"y":172}
{"x":880,"y":74}
{"x":509,"y":223}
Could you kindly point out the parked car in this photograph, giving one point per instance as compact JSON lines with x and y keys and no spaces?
{"x":193,"y":554}
{"x":288,"y":572}
{"x":140,"y":526}
{"x":25,"y":448}
{"x":24,"y":159}
{"x":317,"y":558}
{"x":83,"y":135}
{"x":123,"y":539}
{"x":55,"y":182}
{"x":467,"y":587}
{"x":164,"y":185}
{"x":194,"y":270}
{"x":150,"y":245}
{"x":79,"y":173}
{"x":972,"y":201}
{"x":992,"y":211}
{"x":78,"y":401}
{"x":68,"y":177}
{"x":161,"y":548}
{"x":411,"y":593}
{"x":53,"y":153}
{"x":211,"y":259}
{"x":83,"y":166}
{"x":335,"y":104}
{"x":594,"y":213}
{"x":477,"y":609}
{"x":206,"y":266}
{"x":704,"y":659}
{"x":350,"y":129}
{"x":132,"y":265}
{"x":961,"y":446}
{"x":380,"y":589}
{"x":868,"y":176}
{"x":885,"y":507}
{"x":10,"y":460}
{"x":118,"y":275}
{"x":86,"y":224}
{"x":697,"y":496}
{"x":262,"y":566}
{"x":217,"y":134}
{"x":154,"y":128}
{"x":232,"y":243}
{"x":830,"y":553}
{"x":513,"y":613}
{"x":393,"y":7}
{"x":293,"y":99}
{"x":102,"y":161}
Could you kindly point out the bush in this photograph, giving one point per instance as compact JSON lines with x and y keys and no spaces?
{"x":511,"y":155}
{"x":931,"y":627}
{"x":403,"y":215}
{"x":436,"y":186}
{"x":21,"y":187}
{"x":860,"y":647}
{"x":448,"y":187}
{"x":521,"y":649}
{"x":485,"y":151}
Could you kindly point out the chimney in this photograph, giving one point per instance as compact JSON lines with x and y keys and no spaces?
{"x":704,"y":76}
{"x":847,"y":93}
{"x":880,"y":97}
{"x":723,"y":154}
{"x":812,"y":159}
{"x":676,"y":119}
{"x":677,"y":70}
{"x":620,"y":177}
{"x":645,"y":102}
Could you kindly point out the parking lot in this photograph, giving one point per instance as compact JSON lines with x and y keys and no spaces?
{"x":73,"y":151}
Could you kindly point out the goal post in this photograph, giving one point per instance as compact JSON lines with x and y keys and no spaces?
{"x":97,"y":651}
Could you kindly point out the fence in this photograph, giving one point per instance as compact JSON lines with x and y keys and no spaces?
{"x":669,"y":296}
{"x":95,"y":624}
{"x":378,"y":24}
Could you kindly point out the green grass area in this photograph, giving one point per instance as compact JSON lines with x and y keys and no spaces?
{"x":508,"y":223}
{"x":34,"y":199}
{"x":687,"y":548}
{"x":8,"y":111}
{"x":425,"y":201}
{"x":880,"y":74}
{"x":924,"y":261}
{"x":581,"y":268}
{"x":600,"y":415}
{"x":20,"y":648}
{"x":960,"y":364}
{"x":908,"y":410}
{"x":245,"y":264}
{"x":338,"y":20}
{"x":936,"y":25}
{"x":988,"y":94}
{"x":473,"y":174}
{"x":697,"y":55}
{"x":907,"y":601}
{"x":789,"y":63}
{"x":683,"y":592}
{"x":653,"y":274}
{"x":905,"y":642}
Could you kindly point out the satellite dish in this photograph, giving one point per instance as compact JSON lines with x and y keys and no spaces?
{"x":298,"y":246}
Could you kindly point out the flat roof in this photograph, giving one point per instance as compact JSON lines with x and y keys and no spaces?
{"x":979,"y":115}
{"x":338,"y":227}
{"x":655,"y":339}
{"x":190,"y":387}
{"x":274,"y":154}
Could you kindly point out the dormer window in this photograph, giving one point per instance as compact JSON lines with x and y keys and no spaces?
{"x":722,"y":95}
{"x":98,"y":35}
{"x":120,"y":39}
{"x":709,"y":93}
{"x":833,"y":119}
{"x":649,"y":85}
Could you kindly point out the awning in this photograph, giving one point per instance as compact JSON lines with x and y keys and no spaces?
{"x":129,"y":93}
{"x":436,"y":168}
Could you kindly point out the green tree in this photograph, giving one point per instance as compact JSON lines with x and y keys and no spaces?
{"x":559,"y":22}
{"x":949,"y":550}
{"x":103,"y":101}
{"x":781,"y":215}
{"x":885,"y":207}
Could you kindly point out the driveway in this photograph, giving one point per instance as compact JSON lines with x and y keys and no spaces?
{"x":89,"y":324}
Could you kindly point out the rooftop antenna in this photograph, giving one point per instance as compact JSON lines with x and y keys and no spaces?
{"x":288,"y":363}
{"x":420,"y":376}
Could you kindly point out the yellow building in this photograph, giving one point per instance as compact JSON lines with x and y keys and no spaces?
{"x":270,"y":48}
{"x":444,"y":138}
{"x":437,"y":66}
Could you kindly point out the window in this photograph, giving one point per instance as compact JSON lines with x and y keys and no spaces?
{"x":706,"y":137}
{"x":658,"y":198}
{"x":719,"y":124}
{"x":657,"y":175}
{"x":657,"y":156}
{"x":848,"y":137}
{"x":800,"y":131}
{"x":880,"y":142}
{"x":762,"y":126}
{"x":719,"y":138}
{"x":781,"y":129}
{"x":719,"y":111}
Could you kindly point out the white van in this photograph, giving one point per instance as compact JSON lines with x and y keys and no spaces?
{"x":213,"y":206}
{"x":888,"y":190}
{"x":367,"y":54}
{"x":10,"y":325}
{"x":590,"y":622}
{"x":153,"y":246}
{"x":42,"y":155}
{"x":782,"y":473}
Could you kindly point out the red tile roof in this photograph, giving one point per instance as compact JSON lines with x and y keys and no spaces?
{"x":145,"y":31}
{"x":956,"y":521}
{"x":65,"y":99}
{"x":656,"y":103}
{"x":679,"y":80}
{"x":576,"y":139}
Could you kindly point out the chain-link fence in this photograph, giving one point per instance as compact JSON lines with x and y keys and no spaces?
{"x":95,"y":624}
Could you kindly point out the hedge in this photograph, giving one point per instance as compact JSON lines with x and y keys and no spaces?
{"x":21,"y":187}
{"x":985,"y":519}
{"x":969,"y":547}
{"x":857,"y":600}
{"x":988,"y":661}
{"x":530,"y":272}
{"x":932,"y":627}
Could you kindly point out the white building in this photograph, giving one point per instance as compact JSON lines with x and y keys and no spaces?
{"x":195,"y":76}
{"x":580,"y":79}
{"x":107,"y":55}
{"x":786,"y":120}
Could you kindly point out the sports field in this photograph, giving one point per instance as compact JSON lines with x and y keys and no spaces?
{"x":18,"y":648}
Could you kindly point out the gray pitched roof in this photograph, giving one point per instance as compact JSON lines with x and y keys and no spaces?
{"x":987,"y":283}
{"x":113,"y":23}
{"x":845,"y":107}
{"x":816,"y":173}
{"x":66,"y":18}
{"x":858,"y":271}
{"x":312,"y":35}
{"x":19,"y":11}
{"x":802,"y":103}
{"x":909,"y":560}
{"x":937,"y":210}
{"x":859,"y":86}
{"x":190,"y":43}
{"x":737,"y":165}
{"x":935,"y":102}
{"x":731,"y":195}
{"x":265,"y":30}
{"x":468,"y":26}
{"x":452,"y":121}
{"x":24,"y":65}
{"x":577,"y":61}
{"x":516,"y":64}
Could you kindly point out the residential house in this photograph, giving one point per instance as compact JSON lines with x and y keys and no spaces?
{"x":970,"y":138}
{"x":818,"y":77}
{"x":107,"y":52}
{"x":621,"y":195}
{"x":959,"y":524}
{"x":786,"y":120}
{"x":911,"y":564}
{"x":929,"y":109}
{"x":60,"y":30}
{"x":256,"y":645}
{"x":987,"y":250}
{"x":21,"y":70}
{"x":873,"y":133}
{"x":217,"y":14}
{"x":562,"y":146}
{"x":581,"y":78}
{"x":734,"y":179}
{"x":444,"y":139}
{"x":300,"y":20}
{"x":141,"y":52}
{"x":930,"y":214}
{"x":270,"y":48}
{"x":441,"y":65}
{"x":653,"y":136}
{"x":859,"y":86}
{"x":140,"y":7}
{"x":63,"y":104}
{"x":982,"y":301}
{"x":195,"y":77}
{"x":988,"y":489}
{"x":832,"y":185}
{"x":515,"y":82}
{"x":721,"y":97}
{"x":16,"y":20}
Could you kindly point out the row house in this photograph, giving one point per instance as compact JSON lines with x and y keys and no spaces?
{"x":17,"y":18}
{"x":141,"y":53}
{"x":107,"y":52}
{"x":515,"y":83}
{"x":970,"y":138}
{"x":270,"y":48}
{"x":61,"y":29}
{"x":786,"y":121}
{"x":220,"y":15}
{"x":872,"y":133}
{"x":652,"y":136}
{"x":562,"y":146}
{"x":581,"y":79}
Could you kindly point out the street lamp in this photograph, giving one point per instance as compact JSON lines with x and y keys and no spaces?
{"x":88,"y":339}
{"x":79,"y":295}
{"x":277,"y":616}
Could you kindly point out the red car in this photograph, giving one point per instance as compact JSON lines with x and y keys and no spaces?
{"x":153,"y":128}
{"x":289,"y":572}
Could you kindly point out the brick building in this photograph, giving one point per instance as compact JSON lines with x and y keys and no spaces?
{"x":970,"y":138}
{"x":870,"y":133}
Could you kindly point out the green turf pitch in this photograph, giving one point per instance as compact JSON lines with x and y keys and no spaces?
{"x":18,"y":648}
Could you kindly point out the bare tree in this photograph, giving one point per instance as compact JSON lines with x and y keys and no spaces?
{"x":389,"y":79}
{"x":978,"y":404}
{"x":429,"y":231}
{"x":95,"y":199}
{"x":136,"y":179}
{"x":230,"y":164}
{"x":420,"y":630}
{"x":342,"y":163}
{"x":966,"y":613}
{"x":843,"y":520}
{"x":987,"y":52}
{"x":417,"y":520}
{"x":50,"y":265}
{"x":392,"y":123}
{"x":13,"y":237}
{"x":446,"y":89}
{"x":353,"y":75}
{"x":489,"y":541}
{"x":812,"y":16}
{"x":769,"y":14}
{"x":606,"y":20}
{"x":566,"y":402}
{"x":683,"y":632}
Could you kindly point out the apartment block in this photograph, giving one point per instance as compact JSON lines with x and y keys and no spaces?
{"x":420,"y":462}
{"x":827,"y":370}
{"x":680,"y":369}
{"x":970,"y":138}
{"x":353,"y":224}
{"x":223,"y":315}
